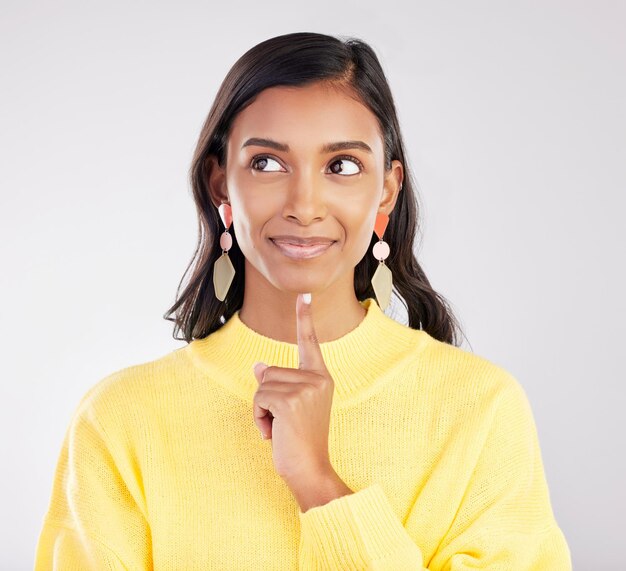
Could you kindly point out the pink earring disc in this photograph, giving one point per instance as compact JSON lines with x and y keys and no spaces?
{"x":381,"y":250}
{"x":226,"y":241}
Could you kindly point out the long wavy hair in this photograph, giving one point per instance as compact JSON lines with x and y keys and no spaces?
{"x":298,"y":59}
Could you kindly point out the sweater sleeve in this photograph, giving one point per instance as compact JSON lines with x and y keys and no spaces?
{"x":94,"y":520}
{"x":504,"y":522}
{"x":356,"y":532}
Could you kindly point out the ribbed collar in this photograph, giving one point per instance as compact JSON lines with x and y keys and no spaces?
{"x":355,"y":361}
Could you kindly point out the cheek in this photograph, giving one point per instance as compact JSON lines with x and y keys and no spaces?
{"x":247,"y":227}
{"x":359,"y":229}
{"x":250,"y":223}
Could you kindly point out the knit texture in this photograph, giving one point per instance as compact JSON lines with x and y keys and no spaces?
{"x":163,"y":467}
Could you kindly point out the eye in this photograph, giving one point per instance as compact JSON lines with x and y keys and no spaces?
{"x":263,"y":161}
{"x":259,"y":162}
{"x":348,"y":159}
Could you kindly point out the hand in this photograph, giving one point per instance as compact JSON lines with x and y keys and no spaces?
{"x":292,"y":406}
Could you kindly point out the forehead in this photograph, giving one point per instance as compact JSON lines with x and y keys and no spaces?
{"x":306,"y":117}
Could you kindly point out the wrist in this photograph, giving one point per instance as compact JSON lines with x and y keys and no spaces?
{"x":318,"y":489}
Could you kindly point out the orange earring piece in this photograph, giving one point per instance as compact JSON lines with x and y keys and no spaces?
{"x":382,"y":280}
{"x":382,"y":220}
{"x":223,"y":269}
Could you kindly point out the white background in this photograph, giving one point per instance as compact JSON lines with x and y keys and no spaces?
{"x":514,"y":118}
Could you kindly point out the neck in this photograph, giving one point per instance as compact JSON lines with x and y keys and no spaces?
{"x":272,"y":312}
{"x":366,"y":355}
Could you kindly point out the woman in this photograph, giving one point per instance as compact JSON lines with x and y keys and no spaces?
{"x":301,"y":427}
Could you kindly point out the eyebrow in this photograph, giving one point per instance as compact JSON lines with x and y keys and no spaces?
{"x":327,"y":148}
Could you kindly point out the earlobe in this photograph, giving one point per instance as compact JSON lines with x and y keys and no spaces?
{"x":216,"y":181}
{"x":392,"y":186}
{"x":390,"y":198}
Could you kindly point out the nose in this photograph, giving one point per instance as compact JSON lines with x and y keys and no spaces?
{"x":305,"y":200}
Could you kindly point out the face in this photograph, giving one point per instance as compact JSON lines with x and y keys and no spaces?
{"x":284,"y":178}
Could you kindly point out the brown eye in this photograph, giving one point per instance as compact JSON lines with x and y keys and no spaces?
{"x":263,"y":161}
{"x":346,"y":160}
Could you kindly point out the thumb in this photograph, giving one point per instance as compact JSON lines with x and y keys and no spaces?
{"x":262,"y":418}
{"x":259,"y":368}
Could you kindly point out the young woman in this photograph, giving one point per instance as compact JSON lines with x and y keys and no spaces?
{"x":301,"y":426}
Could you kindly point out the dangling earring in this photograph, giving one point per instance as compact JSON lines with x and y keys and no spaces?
{"x":381,"y":281}
{"x":223,"y":270}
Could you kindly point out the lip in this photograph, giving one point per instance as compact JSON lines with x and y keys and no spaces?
{"x":302,"y":240}
{"x":301,"y":252}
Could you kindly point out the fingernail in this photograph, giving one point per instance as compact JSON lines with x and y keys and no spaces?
{"x":306,"y":297}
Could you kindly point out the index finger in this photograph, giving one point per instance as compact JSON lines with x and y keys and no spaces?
{"x":310,"y":354}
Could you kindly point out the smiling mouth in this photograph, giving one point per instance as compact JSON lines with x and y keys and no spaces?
{"x":301,"y":252}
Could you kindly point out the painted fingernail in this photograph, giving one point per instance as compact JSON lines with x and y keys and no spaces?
{"x":306,"y":297}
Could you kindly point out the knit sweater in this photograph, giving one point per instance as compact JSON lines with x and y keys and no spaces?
{"x":162,"y":466}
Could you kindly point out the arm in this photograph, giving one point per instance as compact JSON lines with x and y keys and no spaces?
{"x":505,"y":520}
{"x":357,"y":531}
{"x":504,"y":523}
{"x":94,"y":520}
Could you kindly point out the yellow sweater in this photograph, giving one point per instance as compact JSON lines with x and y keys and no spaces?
{"x":163,"y":467}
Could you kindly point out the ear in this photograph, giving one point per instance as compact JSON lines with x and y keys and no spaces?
{"x":216,"y":181}
{"x":391,"y":188}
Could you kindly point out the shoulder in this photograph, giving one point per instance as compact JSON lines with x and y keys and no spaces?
{"x":471,"y":395}
{"x":125,"y":391}
{"x":467,"y":375}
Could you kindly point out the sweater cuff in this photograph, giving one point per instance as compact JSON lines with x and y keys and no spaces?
{"x":355,"y":530}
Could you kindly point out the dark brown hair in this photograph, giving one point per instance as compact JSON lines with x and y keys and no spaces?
{"x":298,"y":59}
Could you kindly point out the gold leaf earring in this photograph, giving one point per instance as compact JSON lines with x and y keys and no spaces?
{"x":382,"y":280}
{"x":223,"y":269}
